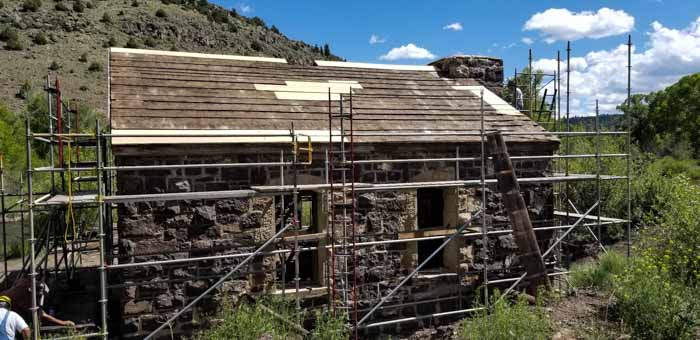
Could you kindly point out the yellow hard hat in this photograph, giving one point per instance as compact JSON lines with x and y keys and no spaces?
{"x":6,"y":299}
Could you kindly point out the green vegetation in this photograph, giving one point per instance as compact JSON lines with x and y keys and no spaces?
{"x":150,"y":42}
{"x":106,"y":18}
{"x":329,"y":327}
{"x":95,"y":67}
{"x":31,"y":5}
{"x":83,"y":58}
{"x":508,"y":321}
{"x":54,"y":66}
{"x":665,"y":122}
{"x":78,"y":6}
{"x":132,"y":43}
{"x":161,"y":13}
{"x":599,"y":275}
{"x":255,"y":320}
{"x":250,"y":321}
{"x":12,"y":39}
{"x":657,"y":293}
{"x":61,"y":7}
{"x":655,"y":305}
{"x":41,"y":39}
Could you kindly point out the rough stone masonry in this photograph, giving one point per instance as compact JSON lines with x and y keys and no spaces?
{"x":180,"y":229}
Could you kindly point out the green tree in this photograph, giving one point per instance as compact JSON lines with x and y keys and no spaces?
{"x":666,"y":122}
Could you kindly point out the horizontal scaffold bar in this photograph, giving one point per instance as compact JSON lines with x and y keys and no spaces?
{"x":83,"y":198}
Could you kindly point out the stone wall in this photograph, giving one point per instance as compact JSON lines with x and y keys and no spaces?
{"x":181,"y":229}
{"x":486,"y":70}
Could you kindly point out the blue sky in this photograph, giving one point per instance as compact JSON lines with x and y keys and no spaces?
{"x":664,"y":31}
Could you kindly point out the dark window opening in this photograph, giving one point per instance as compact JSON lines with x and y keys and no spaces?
{"x":430,"y":215}
{"x":306,"y":211}
{"x":307,"y":268}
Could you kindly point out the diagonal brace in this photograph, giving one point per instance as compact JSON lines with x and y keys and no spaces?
{"x":420,"y":266}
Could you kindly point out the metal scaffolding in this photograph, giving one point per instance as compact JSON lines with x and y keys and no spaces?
{"x":340,"y":192}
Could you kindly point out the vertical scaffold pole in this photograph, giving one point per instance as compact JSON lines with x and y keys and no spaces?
{"x":21,"y":214}
{"x":597,"y":168}
{"x":32,"y":240}
{"x":530,"y":84}
{"x":568,"y":122}
{"x":50,"y":113}
{"x":297,"y":225}
{"x":283,"y":216}
{"x":2,"y":211}
{"x":484,"y":234}
{"x":629,"y":145}
{"x":557,"y":128}
{"x":100,"y":223}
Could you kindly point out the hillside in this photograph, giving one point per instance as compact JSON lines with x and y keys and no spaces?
{"x":70,"y":39}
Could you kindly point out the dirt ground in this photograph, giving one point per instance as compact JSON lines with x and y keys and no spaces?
{"x":585,"y":315}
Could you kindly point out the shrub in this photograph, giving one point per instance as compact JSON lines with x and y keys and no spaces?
{"x":90,"y":5}
{"x":256,"y":46}
{"x":25,"y":90}
{"x":9,"y":34}
{"x":233,"y":28}
{"x":95,"y":67}
{"x":135,"y":3}
{"x":674,"y":245}
{"x":656,"y":307}
{"x":161,"y":13}
{"x":83,"y":88}
{"x":83,"y":58}
{"x":41,"y":39}
{"x":220,"y":16}
{"x":61,"y":7}
{"x":106,"y":18}
{"x":78,"y":6}
{"x":250,"y":321}
{"x":508,"y":321}
{"x":2,"y":4}
{"x":31,"y":5}
{"x":132,"y":43}
{"x":257,"y":21}
{"x":599,"y":275}
{"x":275,"y":29}
{"x":150,"y":42}
{"x":112,"y":42}
{"x":329,"y":327}
{"x":14,"y":43}
{"x":54,"y":66}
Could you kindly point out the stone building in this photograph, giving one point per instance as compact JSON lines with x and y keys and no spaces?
{"x":219,"y":109}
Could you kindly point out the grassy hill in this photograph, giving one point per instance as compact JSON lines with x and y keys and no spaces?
{"x":69,"y":38}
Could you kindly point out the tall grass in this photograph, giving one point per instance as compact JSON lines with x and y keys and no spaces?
{"x":253,"y":320}
{"x":600,"y":274}
{"x":508,"y":321}
{"x":250,"y":321}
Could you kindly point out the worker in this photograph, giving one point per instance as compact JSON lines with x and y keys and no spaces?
{"x":519,"y":103}
{"x":10,"y":322}
{"x":21,"y":294}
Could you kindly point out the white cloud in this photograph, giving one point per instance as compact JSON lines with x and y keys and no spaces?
{"x":455,"y":26}
{"x":670,"y":54}
{"x":409,"y":51}
{"x":527,"y":41}
{"x":245,"y":8}
{"x":561,"y":24}
{"x":375,"y":39}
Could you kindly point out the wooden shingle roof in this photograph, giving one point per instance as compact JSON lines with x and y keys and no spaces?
{"x":185,"y":93}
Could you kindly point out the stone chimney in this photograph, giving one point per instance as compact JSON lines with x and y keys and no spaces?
{"x":488,"y":71}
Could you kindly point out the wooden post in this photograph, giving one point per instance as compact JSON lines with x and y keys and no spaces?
{"x":524,"y":235}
